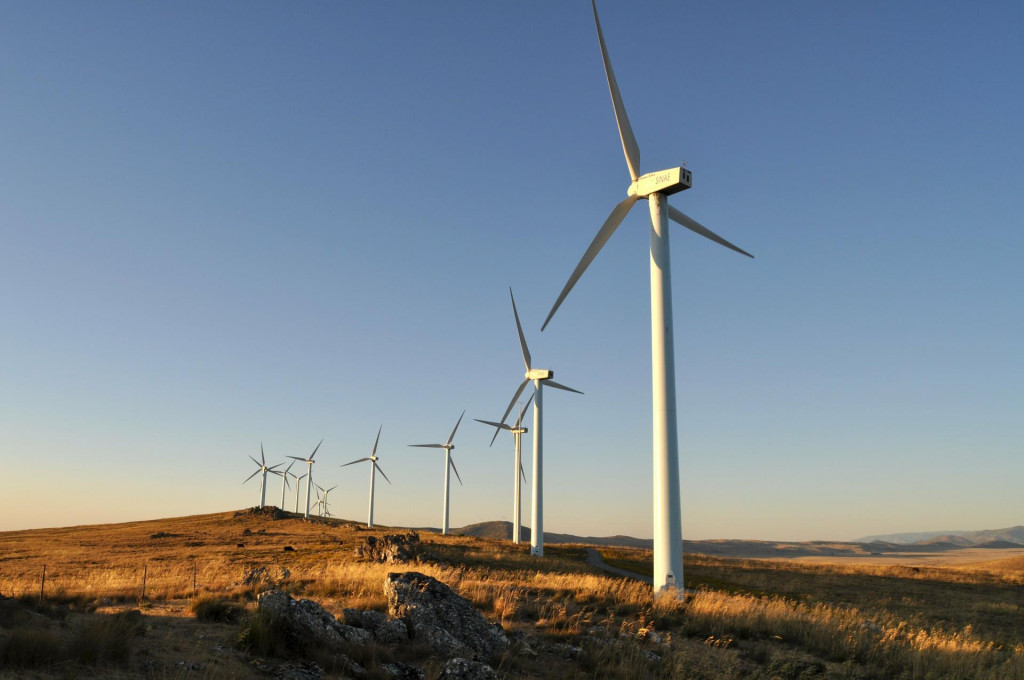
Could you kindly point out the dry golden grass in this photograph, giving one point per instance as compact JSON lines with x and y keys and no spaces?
{"x":747,"y":619}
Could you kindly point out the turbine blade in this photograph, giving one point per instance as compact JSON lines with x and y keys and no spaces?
{"x":271,"y":468}
{"x":304,"y":460}
{"x":429,"y":446}
{"x":315,"y":450}
{"x":354,"y":462}
{"x":331,"y":489}
{"x":552,"y":383}
{"x":288,"y":469}
{"x":629,"y":147}
{"x":255,"y":461}
{"x":377,"y":441}
{"x":522,"y":471}
{"x":452,"y":435}
{"x":262,"y":457}
{"x":252,"y":475}
{"x":503,"y":426}
{"x":456,"y":470}
{"x":381,"y":472}
{"x":515,"y":396}
{"x":604,"y":233}
{"x":519,"y":327}
{"x":696,"y":227}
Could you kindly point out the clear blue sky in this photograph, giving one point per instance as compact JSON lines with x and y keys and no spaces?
{"x":223,"y":224}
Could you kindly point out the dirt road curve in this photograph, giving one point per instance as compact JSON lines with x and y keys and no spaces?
{"x":594,"y":559}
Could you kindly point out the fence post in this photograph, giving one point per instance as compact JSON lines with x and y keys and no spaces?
{"x":42,"y":585}
{"x":145,"y":571}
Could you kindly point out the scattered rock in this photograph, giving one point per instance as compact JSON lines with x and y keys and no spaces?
{"x":392,"y":631}
{"x":393,"y":548}
{"x":402,"y":671}
{"x":307,"y":624}
{"x":304,"y":671}
{"x":372,"y":620}
{"x":434,"y":614}
{"x":265,"y":576}
{"x":247,"y":531}
{"x":462,"y":669}
{"x":288,"y":548}
{"x":564,"y":650}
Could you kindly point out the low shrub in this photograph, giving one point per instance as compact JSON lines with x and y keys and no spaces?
{"x":217,"y":610}
{"x":30,"y":648}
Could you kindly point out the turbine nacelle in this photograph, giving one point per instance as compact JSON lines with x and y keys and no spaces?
{"x":539,"y":374}
{"x":667,"y":182}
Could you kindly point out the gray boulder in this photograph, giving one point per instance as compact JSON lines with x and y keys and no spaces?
{"x":392,"y":631}
{"x":396,"y":548}
{"x":402,"y":671}
{"x":307,"y":624}
{"x":434,"y":614}
{"x":462,"y":669}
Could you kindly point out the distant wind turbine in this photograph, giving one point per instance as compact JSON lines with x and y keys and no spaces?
{"x":261,"y":468}
{"x":374,"y":469}
{"x":449,"y":465}
{"x":539,"y":376}
{"x":322,"y":502}
{"x":517,"y":432}
{"x":284,"y":481}
{"x":309,"y":474}
{"x":298,"y":490}
{"x":655,"y":187}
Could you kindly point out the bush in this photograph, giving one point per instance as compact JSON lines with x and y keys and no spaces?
{"x":263,"y":635}
{"x":108,"y":640}
{"x":30,"y":647}
{"x":217,"y":610}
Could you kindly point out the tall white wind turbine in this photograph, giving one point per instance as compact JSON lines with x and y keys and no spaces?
{"x":374,"y":469}
{"x":309,"y":474}
{"x":655,"y":187}
{"x":449,"y":465}
{"x":298,"y":490}
{"x":284,"y":481}
{"x":539,"y":376}
{"x":517,"y":433}
{"x":261,"y":467}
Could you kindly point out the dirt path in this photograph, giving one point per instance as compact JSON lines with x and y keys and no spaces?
{"x":594,"y":559}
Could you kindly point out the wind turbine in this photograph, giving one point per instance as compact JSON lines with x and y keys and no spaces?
{"x":284,"y":481}
{"x":322,"y":502}
{"x":655,"y":187}
{"x":261,"y":467}
{"x":298,"y":490}
{"x":309,"y":474}
{"x":374,"y":469}
{"x":539,"y":376}
{"x":448,"y":466}
{"x":517,"y":432}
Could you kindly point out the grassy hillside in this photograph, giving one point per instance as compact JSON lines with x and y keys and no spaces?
{"x":747,"y":618}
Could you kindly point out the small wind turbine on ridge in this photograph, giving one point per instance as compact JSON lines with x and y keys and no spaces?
{"x":449,"y":465}
{"x":517,"y":432}
{"x":309,"y":474}
{"x":262,"y":468}
{"x":655,"y":187}
{"x":539,"y":376}
{"x":374,"y":469}
{"x":284,"y":482}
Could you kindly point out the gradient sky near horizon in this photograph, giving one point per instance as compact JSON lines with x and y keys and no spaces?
{"x":234,"y":223}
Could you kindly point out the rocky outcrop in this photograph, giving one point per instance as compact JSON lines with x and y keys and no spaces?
{"x":462,"y":669}
{"x":306,"y":624}
{"x":392,"y":548}
{"x":385,"y":630}
{"x":437,"y":616}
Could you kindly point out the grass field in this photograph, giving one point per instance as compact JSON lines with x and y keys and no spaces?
{"x":746,"y":619}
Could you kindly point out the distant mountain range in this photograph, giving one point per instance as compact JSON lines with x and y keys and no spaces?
{"x":922,"y":542}
{"x":965,"y":539}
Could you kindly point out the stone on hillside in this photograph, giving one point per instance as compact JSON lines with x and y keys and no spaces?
{"x":436,"y":615}
{"x":462,"y":669}
{"x":395,"y":548}
{"x":402,"y":671}
{"x":392,"y":631}
{"x":307,"y":624}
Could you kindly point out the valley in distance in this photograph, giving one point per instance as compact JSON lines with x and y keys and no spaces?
{"x":263,"y":593}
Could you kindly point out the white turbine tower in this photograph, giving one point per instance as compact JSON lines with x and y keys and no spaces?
{"x":261,"y":467}
{"x":655,"y":187}
{"x":298,"y":490}
{"x":309,"y":474}
{"x":517,"y":432}
{"x":449,"y":465}
{"x":374,"y":469}
{"x":539,"y":376}
{"x":284,"y":481}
